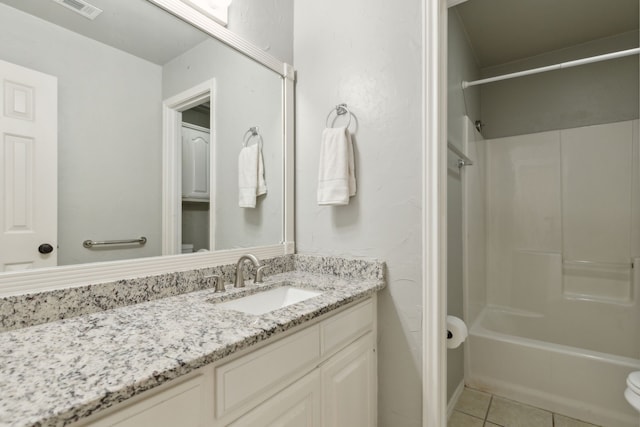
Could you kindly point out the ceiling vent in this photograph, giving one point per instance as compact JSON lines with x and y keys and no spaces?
{"x":82,"y":7}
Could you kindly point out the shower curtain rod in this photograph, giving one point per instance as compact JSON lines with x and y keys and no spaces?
{"x":569,"y":64}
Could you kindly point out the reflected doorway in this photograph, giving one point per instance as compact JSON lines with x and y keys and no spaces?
{"x":196,"y":199}
{"x":189,"y":186}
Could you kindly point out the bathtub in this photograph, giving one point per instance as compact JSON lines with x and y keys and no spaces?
{"x":505,"y":355}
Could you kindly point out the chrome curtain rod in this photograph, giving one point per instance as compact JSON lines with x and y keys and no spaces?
{"x":462,"y":159}
{"x":569,"y":64}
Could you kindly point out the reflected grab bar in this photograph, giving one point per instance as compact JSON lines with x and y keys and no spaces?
{"x":595,"y":264}
{"x":90,"y":243}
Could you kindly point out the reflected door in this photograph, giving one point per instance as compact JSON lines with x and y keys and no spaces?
{"x":195,"y":163}
{"x":196,"y":186}
{"x":28,"y":179}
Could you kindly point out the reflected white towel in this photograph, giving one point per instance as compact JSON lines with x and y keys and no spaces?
{"x":251,"y":182}
{"x":336,"y":174}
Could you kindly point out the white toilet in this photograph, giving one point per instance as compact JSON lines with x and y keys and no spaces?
{"x":632,"y":393}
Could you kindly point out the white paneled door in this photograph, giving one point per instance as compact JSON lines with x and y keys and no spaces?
{"x":195,"y":162}
{"x":29,"y":174}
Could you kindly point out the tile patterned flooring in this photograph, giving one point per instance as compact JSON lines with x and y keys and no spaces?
{"x":479,"y":409}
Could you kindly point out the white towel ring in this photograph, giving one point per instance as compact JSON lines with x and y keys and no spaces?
{"x":340,"y":110}
{"x":252,"y":132}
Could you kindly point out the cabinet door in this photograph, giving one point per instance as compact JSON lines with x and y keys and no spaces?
{"x":296,"y":406}
{"x":349,"y":386}
{"x":185,"y":405}
{"x":195,"y":164}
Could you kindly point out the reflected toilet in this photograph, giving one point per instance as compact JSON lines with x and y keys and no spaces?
{"x":632,"y":393}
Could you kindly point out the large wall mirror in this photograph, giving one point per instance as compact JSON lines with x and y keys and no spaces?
{"x":144,"y":117}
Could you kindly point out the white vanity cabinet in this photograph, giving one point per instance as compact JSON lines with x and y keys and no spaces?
{"x":298,"y":405}
{"x":349,"y":386}
{"x":182,"y":402}
{"x":323,"y":374}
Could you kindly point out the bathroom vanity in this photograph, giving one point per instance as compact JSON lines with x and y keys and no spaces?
{"x":186,"y":360}
{"x":324,"y":371}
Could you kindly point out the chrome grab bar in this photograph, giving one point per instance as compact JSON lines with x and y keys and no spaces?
{"x":90,"y":243}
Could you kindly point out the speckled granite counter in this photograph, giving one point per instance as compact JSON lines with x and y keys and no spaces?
{"x":56,"y":373}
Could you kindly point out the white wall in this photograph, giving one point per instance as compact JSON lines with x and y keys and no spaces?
{"x":266,"y":23}
{"x":461,"y":66}
{"x":368,"y":55}
{"x":591,"y":94}
{"x":109,"y":128}
{"x":247,"y":94}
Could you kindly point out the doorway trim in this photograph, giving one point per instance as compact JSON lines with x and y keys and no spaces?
{"x":434,"y":217}
{"x":172,"y":109}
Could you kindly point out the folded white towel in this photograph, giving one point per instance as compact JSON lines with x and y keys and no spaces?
{"x":251,"y":182}
{"x":336,"y":174}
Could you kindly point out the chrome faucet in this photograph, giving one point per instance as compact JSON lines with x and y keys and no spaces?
{"x":256,"y":263}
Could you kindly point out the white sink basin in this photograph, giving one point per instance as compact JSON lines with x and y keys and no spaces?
{"x":266,"y":301}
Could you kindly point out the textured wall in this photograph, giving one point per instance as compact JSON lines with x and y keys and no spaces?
{"x":266,"y":23}
{"x":368,"y":55}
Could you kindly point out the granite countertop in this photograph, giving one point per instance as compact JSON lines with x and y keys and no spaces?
{"x":56,"y":373}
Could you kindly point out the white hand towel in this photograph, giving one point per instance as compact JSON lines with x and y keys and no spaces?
{"x":251,"y":182}
{"x":262,"y":184}
{"x":336,"y":173}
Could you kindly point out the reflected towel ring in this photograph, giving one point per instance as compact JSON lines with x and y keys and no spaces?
{"x":251,"y":133}
{"x":340,"y":110}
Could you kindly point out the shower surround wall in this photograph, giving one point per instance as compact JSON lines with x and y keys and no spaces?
{"x":562,"y":232}
{"x":563,"y":211}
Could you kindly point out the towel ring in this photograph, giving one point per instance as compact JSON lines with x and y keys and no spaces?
{"x":252,"y":132}
{"x":340,"y":110}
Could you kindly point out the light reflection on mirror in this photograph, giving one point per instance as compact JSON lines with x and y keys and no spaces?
{"x":111,"y":76}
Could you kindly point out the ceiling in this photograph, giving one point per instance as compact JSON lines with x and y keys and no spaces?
{"x":502,"y":31}
{"x":134,"y":26}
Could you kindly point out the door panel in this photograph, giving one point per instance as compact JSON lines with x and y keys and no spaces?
{"x":28,"y":157}
{"x":296,"y":406}
{"x":349,"y":388}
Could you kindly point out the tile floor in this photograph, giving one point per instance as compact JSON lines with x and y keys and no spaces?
{"x":478,"y":409}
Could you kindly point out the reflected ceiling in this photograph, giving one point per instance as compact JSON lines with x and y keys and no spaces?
{"x":136,"y":27}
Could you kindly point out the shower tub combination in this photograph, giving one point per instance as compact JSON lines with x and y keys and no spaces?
{"x":552,"y":259}
{"x":580,"y":383}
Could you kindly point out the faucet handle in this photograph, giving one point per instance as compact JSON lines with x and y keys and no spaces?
{"x":259,"y":274}
{"x":218,"y":282}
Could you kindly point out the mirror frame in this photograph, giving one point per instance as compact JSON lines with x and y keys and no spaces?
{"x":60,"y":277}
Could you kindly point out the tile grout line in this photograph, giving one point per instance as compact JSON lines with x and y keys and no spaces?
{"x":486,"y":414}
{"x":553,"y":414}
